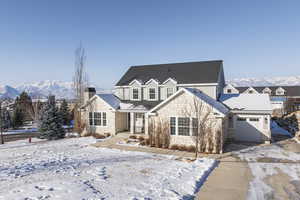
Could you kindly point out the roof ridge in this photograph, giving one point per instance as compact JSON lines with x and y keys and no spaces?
{"x":159,"y":64}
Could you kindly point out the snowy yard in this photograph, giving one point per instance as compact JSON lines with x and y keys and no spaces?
{"x":275,"y":169}
{"x":71,"y":169}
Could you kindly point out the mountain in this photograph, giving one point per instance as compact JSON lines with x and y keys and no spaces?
{"x":8,"y":92}
{"x":42,"y":89}
{"x":268,"y":81}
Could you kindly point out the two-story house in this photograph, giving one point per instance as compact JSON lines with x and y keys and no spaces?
{"x":152,"y":93}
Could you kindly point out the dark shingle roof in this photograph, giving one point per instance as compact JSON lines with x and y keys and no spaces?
{"x":147,"y":104}
{"x":290,"y":90}
{"x":183,"y":73}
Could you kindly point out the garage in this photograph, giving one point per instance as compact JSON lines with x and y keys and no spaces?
{"x":248,"y":129}
{"x":251,"y":113}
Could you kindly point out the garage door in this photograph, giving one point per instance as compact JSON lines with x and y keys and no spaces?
{"x":248,"y":129}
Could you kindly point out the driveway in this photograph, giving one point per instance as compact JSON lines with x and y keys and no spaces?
{"x":256,"y":173}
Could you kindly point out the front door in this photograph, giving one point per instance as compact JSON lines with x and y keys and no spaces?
{"x":139,"y":123}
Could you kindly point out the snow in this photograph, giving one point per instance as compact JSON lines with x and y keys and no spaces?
{"x":277,"y":130}
{"x":253,"y":102}
{"x":19,"y":131}
{"x":72,"y":169}
{"x":259,"y":189}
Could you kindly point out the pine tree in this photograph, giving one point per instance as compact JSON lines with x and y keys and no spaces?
{"x":65,"y":113}
{"x":51,"y":125}
{"x":18,"y":118}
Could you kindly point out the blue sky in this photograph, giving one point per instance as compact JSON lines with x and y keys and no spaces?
{"x":254,"y":38}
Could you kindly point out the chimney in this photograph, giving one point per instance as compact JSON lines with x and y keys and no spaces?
{"x":89,"y":92}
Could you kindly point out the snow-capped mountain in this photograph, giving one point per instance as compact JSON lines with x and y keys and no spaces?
{"x":42,"y":89}
{"x":284,"y":81}
{"x":8,"y":92}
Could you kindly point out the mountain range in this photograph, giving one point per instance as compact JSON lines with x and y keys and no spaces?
{"x":42,"y":89}
{"x":62,"y":89}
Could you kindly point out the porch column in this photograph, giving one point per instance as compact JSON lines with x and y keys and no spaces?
{"x":132,"y":121}
{"x":146,"y":123}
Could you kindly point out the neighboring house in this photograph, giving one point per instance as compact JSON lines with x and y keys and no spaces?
{"x":282,"y":97}
{"x":150,"y":93}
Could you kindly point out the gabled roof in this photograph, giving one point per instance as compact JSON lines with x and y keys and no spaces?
{"x":111,"y":100}
{"x":197,"y":93}
{"x":290,"y":90}
{"x":247,"y":102}
{"x":183,"y":73}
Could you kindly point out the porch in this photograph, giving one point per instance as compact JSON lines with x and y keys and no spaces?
{"x":135,"y":121}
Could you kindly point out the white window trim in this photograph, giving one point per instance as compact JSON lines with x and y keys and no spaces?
{"x":139,"y":94}
{"x":176,"y":127}
{"x":101,"y":119}
{"x":172,"y":88}
{"x":156,"y":94}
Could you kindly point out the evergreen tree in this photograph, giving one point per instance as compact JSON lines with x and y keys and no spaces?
{"x":18,"y":118}
{"x":65,"y":113}
{"x":51,"y":126}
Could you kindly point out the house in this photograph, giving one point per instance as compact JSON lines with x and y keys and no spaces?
{"x":150,"y":94}
{"x":282,"y":97}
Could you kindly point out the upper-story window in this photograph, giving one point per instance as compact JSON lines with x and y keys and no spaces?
{"x":169,"y":92}
{"x":280,"y":91}
{"x":229,"y":91}
{"x":135,"y":93}
{"x":152,"y":93}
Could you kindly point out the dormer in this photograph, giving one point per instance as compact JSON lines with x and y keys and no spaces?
{"x":280,"y":91}
{"x":267,"y":91}
{"x":168,"y":88}
{"x":151,"y":90}
{"x":229,"y":89}
{"x":135,"y":90}
{"x":250,"y":90}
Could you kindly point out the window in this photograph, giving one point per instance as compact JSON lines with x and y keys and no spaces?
{"x":97,"y":118}
{"x":173,"y":125}
{"x":250,"y":91}
{"x":169,"y":92}
{"x":195,"y":126}
{"x":152,"y":93}
{"x":254,"y":119}
{"x":183,"y":126}
{"x":241,"y":119}
{"x":104,"y":122}
{"x":135,"y":93}
{"x":91,"y":118}
{"x":229,"y":91}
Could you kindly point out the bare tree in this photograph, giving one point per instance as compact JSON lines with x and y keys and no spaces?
{"x":1,"y":123}
{"x":204,"y":126}
{"x":80,"y":82}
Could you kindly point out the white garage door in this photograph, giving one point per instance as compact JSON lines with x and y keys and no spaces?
{"x":248,"y":129}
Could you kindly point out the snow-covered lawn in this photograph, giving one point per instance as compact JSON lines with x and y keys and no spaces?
{"x":275,"y":171}
{"x":72,"y":169}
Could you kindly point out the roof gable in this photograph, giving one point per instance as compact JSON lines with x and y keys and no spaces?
{"x":218,"y":106}
{"x":183,"y":73}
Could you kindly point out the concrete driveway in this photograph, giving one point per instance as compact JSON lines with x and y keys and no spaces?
{"x":256,"y":173}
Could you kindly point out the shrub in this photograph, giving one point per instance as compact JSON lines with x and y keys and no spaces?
{"x":174,"y":147}
{"x":107,"y":134}
{"x":141,"y":138}
{"x":98,"y":136}
{"x":132,"y":137}
{"x":147,"y":141}
{"x":182,"y":148}
{"x":143,"y":143}
{"x":191,"y":148}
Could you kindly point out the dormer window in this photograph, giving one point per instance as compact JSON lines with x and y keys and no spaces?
{"x":280,"y":91}
{"x":267,"y":91}
{"x":152,"y":93}
{"x":135,"y":93}
{"x":169,"y":92}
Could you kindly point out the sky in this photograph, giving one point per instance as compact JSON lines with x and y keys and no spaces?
{"x":254,"y":38}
